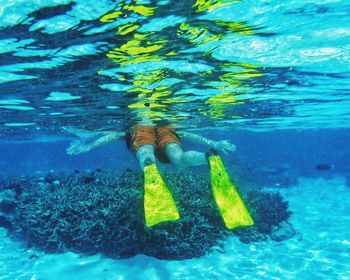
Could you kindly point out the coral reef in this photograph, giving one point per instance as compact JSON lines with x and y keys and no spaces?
{"x":268,"y":210}
{"x":8,"y":202}
{"x":102,"y":212}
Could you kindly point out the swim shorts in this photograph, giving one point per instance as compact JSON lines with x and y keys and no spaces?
{"x":157,"y":136}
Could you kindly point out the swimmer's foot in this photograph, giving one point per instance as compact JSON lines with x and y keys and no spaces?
{"x":148,"y":161}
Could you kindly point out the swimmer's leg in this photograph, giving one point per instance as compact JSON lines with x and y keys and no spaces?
{"x":145,"y":155}
{"x":182,"y":159}
{"x":141,"y":141}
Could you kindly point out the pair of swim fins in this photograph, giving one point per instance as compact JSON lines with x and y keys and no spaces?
{"x":160,"y":206}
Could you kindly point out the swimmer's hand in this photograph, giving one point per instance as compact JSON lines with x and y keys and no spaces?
{"x":223,"y":146}
{"x":77,"y":147}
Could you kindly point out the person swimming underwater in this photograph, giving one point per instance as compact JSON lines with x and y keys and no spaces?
{"x":149,"y":143}
{"x":162,"y":142}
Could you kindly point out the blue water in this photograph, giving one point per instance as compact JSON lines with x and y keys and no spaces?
{"x":272,"y":77}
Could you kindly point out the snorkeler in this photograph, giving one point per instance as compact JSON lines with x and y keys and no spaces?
{"x":148,"y":143}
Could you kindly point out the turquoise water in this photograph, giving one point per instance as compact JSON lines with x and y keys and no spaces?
{"x":250,"y":64}
{"x":272,"y":77}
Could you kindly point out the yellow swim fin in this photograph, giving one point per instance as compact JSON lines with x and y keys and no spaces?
{"x":158,"y":201}
{"x":229,"y":203}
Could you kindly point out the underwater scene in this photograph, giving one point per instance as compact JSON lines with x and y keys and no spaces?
{"x":189,"y":139}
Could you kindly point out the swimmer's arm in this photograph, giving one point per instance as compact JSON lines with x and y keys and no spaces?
{"x":195,"y":138}
{"x":78,"y":146}
{"x":222,"y":145}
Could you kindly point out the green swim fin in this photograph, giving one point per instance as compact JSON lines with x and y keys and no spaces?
{"x":229,"y":203}
{"x":158,"y":201}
